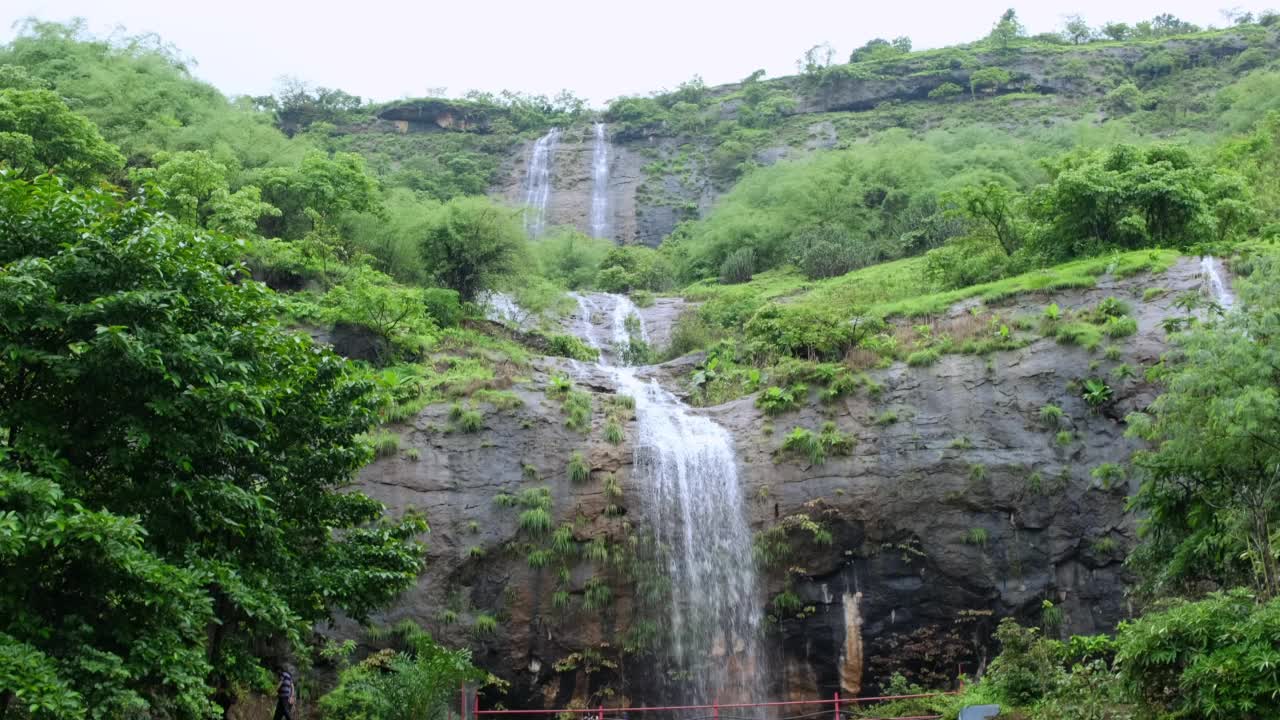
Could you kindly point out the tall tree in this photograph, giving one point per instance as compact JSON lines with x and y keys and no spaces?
{"x":470,"y":243}
{"x":174,"y":467}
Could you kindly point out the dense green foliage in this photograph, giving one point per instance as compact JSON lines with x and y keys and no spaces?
{"x":171,"y":456}
{"x":418,"y":682}
{"x":1211,"y":492}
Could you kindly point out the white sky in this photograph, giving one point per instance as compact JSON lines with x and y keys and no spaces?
{"x":386,"y":50}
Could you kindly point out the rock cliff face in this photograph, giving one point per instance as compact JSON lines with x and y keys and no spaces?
{"x":958,"y":505}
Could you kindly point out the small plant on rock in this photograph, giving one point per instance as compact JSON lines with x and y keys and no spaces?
{"x":976,"y":536}
{"x":484,"y":624}
{"x":613,"y":432}
{"x":578,"y":470}
{"x":1051,"y":415}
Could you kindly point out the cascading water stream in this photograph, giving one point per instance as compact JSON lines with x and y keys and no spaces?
{"x":537,"y":183}
{"x":693,"y":501}
{"x":600,"y":184}
{"x":1219,"y":288}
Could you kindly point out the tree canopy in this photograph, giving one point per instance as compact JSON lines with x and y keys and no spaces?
{"x":175,"y":466}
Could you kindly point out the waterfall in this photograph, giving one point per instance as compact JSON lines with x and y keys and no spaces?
{"x":600,"y":184}
{"x":1218,"y":287}
{"x":537,"y":183}
{"x":686,"y":465}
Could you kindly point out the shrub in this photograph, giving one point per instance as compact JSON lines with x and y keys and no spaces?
{"x":1211,"y":658}
{"x":1086,"y":335}
{"x":1118,"y":327}
{"x":775,"y":400}
{"x":806,"y":332}
{"x":385,"y":443}
{"x":471,"y":421}
{"x":888,"y":417}
{"x":738,"y":267}
{"x":577,"y":469}
{"x":1108,"y":475}
{"x":976,"y":536}
{"x":1095,"y":392}
{"x":945,"y":91}
{"x":569,"y":346}
{"x":1064,"y":438}
{"x":817,"y":446}
{"x":443,"y":306}
{"x":1026,"y":669}
{"x":642,"y":298}
{"x":923,"y":358}
{"x":1122,"y":99}
{"x":1051,"y":415}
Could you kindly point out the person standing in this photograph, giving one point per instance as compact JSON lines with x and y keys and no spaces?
{"x":285,"y":697}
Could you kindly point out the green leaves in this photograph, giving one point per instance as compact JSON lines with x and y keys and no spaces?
{"x":1213,"y":658}
{"x":175,"y":466}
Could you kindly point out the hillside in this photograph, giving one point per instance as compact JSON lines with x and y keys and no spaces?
{"x":953,"y":361}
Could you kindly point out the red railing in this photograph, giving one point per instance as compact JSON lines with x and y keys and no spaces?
{"x":598,"y":713}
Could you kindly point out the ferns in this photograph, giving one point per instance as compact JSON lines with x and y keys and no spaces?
{"x":776,"y":400}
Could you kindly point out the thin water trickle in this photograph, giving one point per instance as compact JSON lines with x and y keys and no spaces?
{"x":537,"y":183}
{"x":687,"y":468}
{"x":600,"y":183}
{"x":1217,"y":285}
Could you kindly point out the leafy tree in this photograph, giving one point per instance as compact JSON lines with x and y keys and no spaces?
{"x":1117,"y":31}
{"x":196,"y":192}
{"x":1007,"y":30}
{"x":329,"y":187}
{"x":1211,"y":487}
{"x":471,"y":243}
{"x":176,"y":467}
{"x":1077,"y":30}
{"x":945,"y":91}
{"x":881,"y":49}
{"x":39,"y":134}
{"x":297,"y":105}
{"x":993,"y":205}
{"x":816,"y":59}
{"x":1130,"y":197}
{"x":990,"y":79}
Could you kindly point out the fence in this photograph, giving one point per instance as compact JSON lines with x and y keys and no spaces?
{"x":471,"y":710}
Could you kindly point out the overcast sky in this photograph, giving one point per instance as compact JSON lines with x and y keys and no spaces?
{"x":599,"y":50}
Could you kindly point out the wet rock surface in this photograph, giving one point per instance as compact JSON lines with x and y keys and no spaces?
{"x":966,"y":508}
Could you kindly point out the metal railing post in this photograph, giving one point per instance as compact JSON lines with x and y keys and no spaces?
{"x":837,"y":715}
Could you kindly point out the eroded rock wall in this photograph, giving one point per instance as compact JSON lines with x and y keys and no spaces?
{"x":967,"y":508}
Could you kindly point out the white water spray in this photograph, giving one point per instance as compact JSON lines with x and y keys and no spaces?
{"x":600,"y":184}
{"x":1221,"y":291}
{"x":537,"y":183}
{"x":687,"y":468}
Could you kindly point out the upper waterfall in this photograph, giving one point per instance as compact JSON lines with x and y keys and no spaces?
{"x":537,"y":182}
{"x":600,"y":184}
